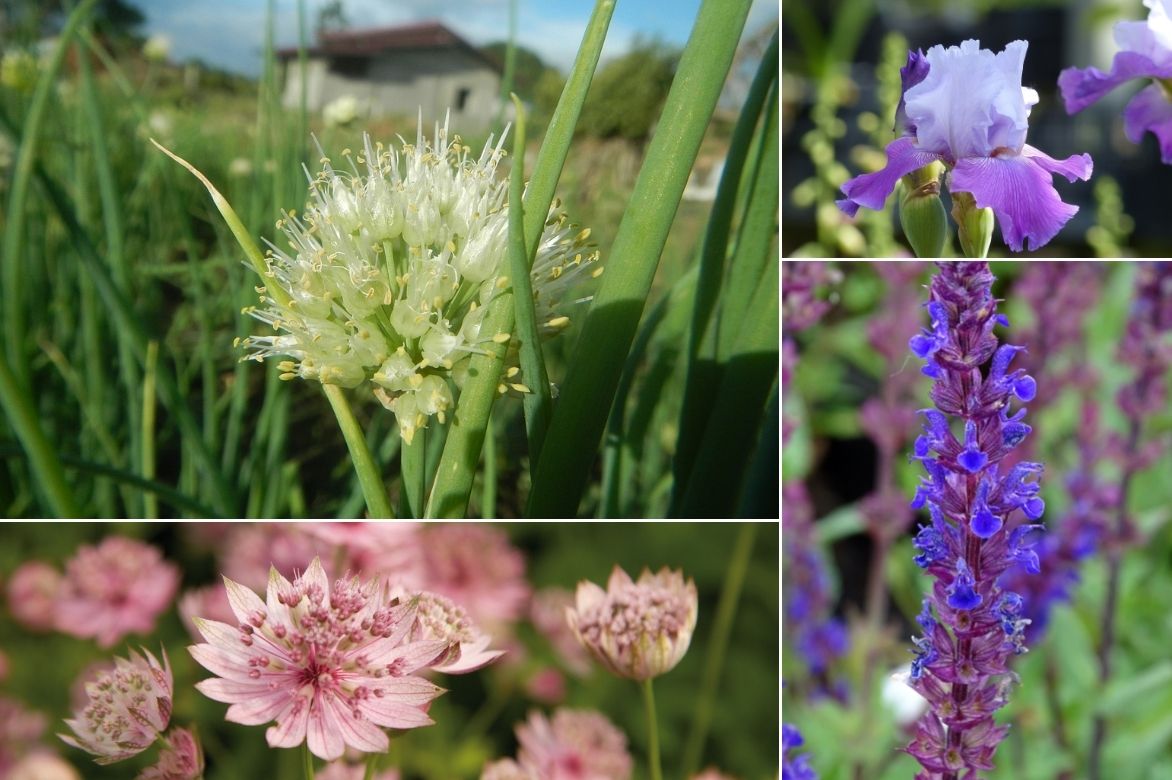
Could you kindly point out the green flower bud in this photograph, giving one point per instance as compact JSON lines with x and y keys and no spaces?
{"x":974,"y":226}
{"x":921,"y":214}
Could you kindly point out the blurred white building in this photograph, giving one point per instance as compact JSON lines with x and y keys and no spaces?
{"x":398,"y":71}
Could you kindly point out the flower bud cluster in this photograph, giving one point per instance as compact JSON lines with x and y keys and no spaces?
{"x":391,"y":269}
{"x":972,"y":626}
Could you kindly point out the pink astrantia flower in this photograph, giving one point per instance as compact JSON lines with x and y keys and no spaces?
{"x":209,"y":602}
{"x":41,"y":764}
{"x":251,"y":549}
{"x":180,"y":759}
{"x":575,"y":745}
{"x":506,"y":769}
{"x":636,"y":629}
{"x":476,"y":567}
{"x":1146,"y":53}
{"x":331,"y":666}
{"x":129,"y":707}
{"x":436,"y":617}
{"x":548,"y":614}
{"x":19,"y":729}
{"x":965,"y":106}
{"x":119,"y":587}
{"x":32,"y":595}
{"x":547,"y":685}
{"x":390,"y":550}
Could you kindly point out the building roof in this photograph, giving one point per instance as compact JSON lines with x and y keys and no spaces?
{"x":372,"y":41}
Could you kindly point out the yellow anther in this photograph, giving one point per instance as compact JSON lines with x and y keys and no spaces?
{"x":501,"y":338}
{"x":558,"y":322}
{"x":512,"y":372}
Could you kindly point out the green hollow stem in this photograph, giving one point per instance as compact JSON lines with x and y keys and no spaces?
{"x":413,"y":467}
{"x":652,"y":731}
{"x":538,"y":401}
{"x":371,"y":766}
{"x":308,"y":757}
{"x":378,"y":505}
{"x":596,"y":366}
{"x":726,"y":610}
{"x":462,"y":450}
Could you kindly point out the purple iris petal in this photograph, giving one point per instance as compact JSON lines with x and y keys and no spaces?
{"x":910,"y":75}
{"x":1021,"y":193}
{"x":1150,"y":110}
{"x":1083,"y":86}
{"x":871,"y":189}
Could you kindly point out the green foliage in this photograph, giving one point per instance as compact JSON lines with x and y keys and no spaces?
{"x":628,"y":93}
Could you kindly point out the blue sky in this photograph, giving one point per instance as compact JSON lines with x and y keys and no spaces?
{"x":230,"y":33}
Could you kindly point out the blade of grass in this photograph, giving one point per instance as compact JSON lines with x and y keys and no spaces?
{"x":613,"y":317}
{"x":488,"y":496}
{"x":537,"y":401}
{"x":150,"y":501}
{"x":127,"y":320}
{"x":41,"y":455}
{"x":18,"y":196}
{"x":701,"y":379}
{"x":461,"y":453}
{"x":169,"y":494}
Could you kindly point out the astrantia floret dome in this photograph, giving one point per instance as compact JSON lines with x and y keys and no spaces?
{"x":391,"y":266}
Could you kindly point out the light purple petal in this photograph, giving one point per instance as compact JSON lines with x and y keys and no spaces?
{"x":1021,"y":194}
{"x":972,"y":101}
{"x":1150,"y":110}
{"x":1076,"y":166}
{"x":871,"y":189}
{"x":1083,"y":86}
{"x":910,"y":75}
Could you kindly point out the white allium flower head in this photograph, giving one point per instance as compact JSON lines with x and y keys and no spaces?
{"x":389,"y":271}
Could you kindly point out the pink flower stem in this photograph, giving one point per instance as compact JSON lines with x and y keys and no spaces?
{"x":308,"y":760}
{"x":652,"y":731}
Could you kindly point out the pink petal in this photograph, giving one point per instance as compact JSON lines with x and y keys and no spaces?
{"x":1020,"y":192}
{"x":261,"y":708}
{"x":394,"y":714}
{"x":290,"y":731}
{"x":243,"y":601}
{"x":218,"y":660}
{"x":232,"y":691}
{"x":323,"y":728}
{"x":357,"y":732}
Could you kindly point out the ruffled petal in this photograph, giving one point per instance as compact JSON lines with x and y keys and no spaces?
{"x":871,"y":189}
{"x":1021,"y":193}
{"x":1150,"y":111}
{"x":1076,"y":166}
{"x":1083,"y":86}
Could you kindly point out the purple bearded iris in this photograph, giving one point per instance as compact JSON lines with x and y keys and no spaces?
{"x":965,"y":106}
{"x":1146,"y":53}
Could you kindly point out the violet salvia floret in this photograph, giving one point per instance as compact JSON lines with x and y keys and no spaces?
{"x":794,"y":767}
{"x":821,"y":638}
{"x":972,"y":625}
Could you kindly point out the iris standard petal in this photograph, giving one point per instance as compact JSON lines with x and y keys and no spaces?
{"x":1150,"y":111}
{"x":1021,"y":193}
{"x":1083,"y":86}
{"x":871,"y":189}
{"x":971,"y":102}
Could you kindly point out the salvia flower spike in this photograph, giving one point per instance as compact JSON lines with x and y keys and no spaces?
{"x":971,"y":626}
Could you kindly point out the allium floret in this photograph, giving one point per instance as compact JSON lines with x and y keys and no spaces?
{"x":392,"y":266}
